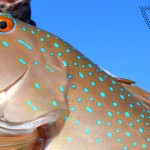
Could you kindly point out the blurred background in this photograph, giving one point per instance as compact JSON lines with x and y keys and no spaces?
{"x":113,"y":34}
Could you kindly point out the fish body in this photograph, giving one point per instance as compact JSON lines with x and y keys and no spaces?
{"x":47,"y":80}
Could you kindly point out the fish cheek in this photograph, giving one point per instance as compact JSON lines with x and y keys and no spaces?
{"x":41,"y":92}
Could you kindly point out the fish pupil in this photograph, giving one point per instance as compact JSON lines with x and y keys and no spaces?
{"x":3,"y":24}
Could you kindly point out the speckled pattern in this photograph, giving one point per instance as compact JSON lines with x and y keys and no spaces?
{"x":55,"y":77}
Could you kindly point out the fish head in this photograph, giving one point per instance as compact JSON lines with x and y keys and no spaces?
{"x":33,"y":86}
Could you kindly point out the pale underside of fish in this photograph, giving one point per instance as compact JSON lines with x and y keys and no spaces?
{"x":54,"y":98}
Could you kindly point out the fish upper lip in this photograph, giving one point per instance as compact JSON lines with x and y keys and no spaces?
{"x":7,"y":88}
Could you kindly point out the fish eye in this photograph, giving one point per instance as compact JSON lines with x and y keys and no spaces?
{"x":6,"y":24}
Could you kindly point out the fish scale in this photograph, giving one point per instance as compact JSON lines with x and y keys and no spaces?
{"x":91,"y":109}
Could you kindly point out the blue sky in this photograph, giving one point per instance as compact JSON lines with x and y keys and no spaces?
{"x":112,"y":34}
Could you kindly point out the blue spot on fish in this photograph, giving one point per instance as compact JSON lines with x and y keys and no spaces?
{"x":25,"y":44}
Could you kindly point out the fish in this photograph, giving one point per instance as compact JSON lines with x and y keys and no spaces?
{"x":19,"y":9}
{"x":52,"y":97}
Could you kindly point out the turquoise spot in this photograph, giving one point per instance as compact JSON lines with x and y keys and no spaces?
{"x":99,"y":122}
{"x":142,"y":115}
{"x":131,"y":106}
{"x":118,"y":131}
{"x":37,"y":86}
{"x":66,"y":118}
{"x":147,"y":124}
{"x":110,"y":135}
{"x":131,"y":124}
{"x":125,"y":147}
{"x":148,"y":139}
{"x":68,"y":139}
{"x":42,"y":39}
{"x":99,"y":104}
{"x":29,"y":102}
{"x":106,"y":76}
{"x":75,"y":64}
{"x":93,"y":83}
{"x":110,"y":114}
{"x":78,"y":57}
{"x":111,"y":88}
{"x":32,"y":32}
{"x":81,"y":75}
{"x":91,"y":99}
{"x":90,"y":65}
{"x":59,"y":54}
{"x":122,"y":97}
{"x":77,"y":122}
{"x":129,"y":95}
{"x":102,"y":94}
{"x":97,"y":140}
{"x":56,"y":38}
{"x":89,"y":109}
{"x":86,"y":90}
{"x":134,"y":144}
{"x":90,"y":73}
{"x":118,"y":140}
{"x":34,"y":108}
{"x":120,"y":122}
{"x":56,"y":45}
{"x":54,"y":103}
{"x":79,"y":99}
{"x":121,"y":89}
{"x":22,"y":61}
{"x":25,"y":44}
{"x":42,"y":50}
{"x":108,"y":124}
{"x":138,"y":120}
{"x":52,"y":54}
{"x":115,"y":104}
{"x":83,"y":66}
{"x":87,"y":131}
{"x":61,"y":88}
{"x":65,"y":63}
{"x":138,"y":103}
{"x":144,"y":146}
{"x":72,"y":109}
{"x":113,"y":82}
{"x":49,"y":68}
{"x":118,"y":112}
{"x":101,"y":79}
{"x":127,"y":114}
{"x":48,"y":36}
{"x":36,"y":62}
{"x":38,"y":30}
{"x":74,"y":86}
{"x":5,"y":43}
{"x":70,"y":76}
{"x":141,"y":130}
{"x":24,"y":29}
{"x":128,"y":134}
{"x":68,"y":50}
